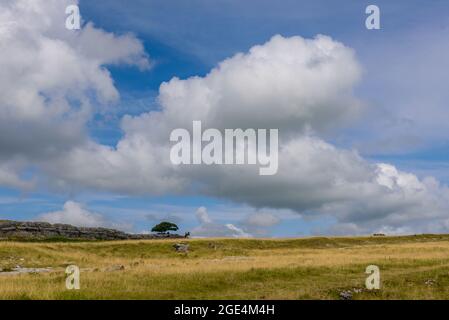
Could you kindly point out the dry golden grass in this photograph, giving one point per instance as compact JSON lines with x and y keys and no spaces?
{"x":317,"y":268}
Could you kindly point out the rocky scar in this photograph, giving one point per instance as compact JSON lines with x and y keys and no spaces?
{"x":43,"y":231}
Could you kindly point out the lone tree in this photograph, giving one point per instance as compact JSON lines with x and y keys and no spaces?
{"x":165,"y":227}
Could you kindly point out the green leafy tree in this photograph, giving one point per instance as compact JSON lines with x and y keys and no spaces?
{"x":165,"y":227}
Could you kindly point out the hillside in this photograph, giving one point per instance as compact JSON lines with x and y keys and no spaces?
{"x":43,"y":231}
{"x":313,"y":268}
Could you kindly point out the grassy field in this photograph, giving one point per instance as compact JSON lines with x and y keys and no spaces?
{"x":414,"y":267}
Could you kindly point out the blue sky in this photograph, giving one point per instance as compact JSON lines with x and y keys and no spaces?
{"x":189,"y":39}
{"x":403,"y":88}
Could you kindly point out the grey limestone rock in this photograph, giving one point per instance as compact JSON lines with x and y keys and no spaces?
{"x":43,"y":230}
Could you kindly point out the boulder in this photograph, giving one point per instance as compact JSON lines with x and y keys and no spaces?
{"x":180,"y":247}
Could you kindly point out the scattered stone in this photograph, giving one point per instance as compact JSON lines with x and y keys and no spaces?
{"x":180,"y":247}
{"x":349,"y":294}
{"x":118,"y":267}
{"x":346,"y":295}
{"x":430,"y":282}
{"x":20,"y":270}
{"x":212,"y":245}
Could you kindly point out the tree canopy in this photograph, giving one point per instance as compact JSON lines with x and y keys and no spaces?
{"x":165,"y":227}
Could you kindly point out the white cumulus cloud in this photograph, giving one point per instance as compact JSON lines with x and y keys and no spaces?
{"x":300,"y":86}
{"x":75,"y":214}
{"x":209,"y":228}
{"x":53,"y":79}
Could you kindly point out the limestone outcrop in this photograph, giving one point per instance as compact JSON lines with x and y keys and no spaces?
{"x":43,"y":230}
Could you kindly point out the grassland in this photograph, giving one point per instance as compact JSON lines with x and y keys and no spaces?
{"x":415,"y":267}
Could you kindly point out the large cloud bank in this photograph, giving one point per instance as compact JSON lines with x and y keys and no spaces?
{"x":303,"y":87}
{"x":51,"y":81}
